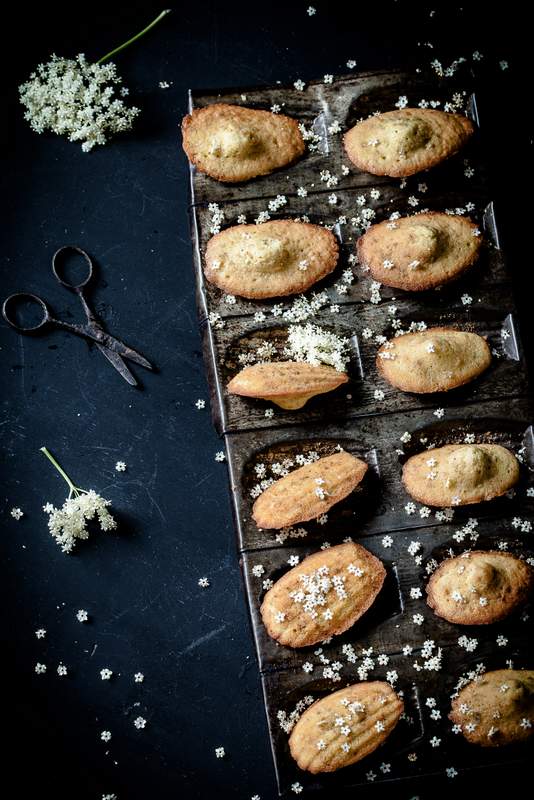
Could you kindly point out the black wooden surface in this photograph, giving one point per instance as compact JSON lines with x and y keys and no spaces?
{"x":127,"y":204}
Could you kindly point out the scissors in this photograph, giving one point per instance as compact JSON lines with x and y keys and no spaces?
{"x":114,"y":350}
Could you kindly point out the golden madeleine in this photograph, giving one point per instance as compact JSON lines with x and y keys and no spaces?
{"x":497,"y":708}
{"x":288,"y":384}
{"x":401,"y":143}
{"x":434,"y":360}
{"x":420,"y":252}
{"x":345,"y":726}
{"x":233,"y":143}
{"x":323,"y":596}
{"x":308,"y":491}
{"x":273,"y":259}
{"x":479,"y":587}
{"x":460,"y":474}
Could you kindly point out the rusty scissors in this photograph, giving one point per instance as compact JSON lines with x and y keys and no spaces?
{"x":114,"y":350}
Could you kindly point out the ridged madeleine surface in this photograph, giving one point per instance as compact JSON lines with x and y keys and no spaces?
{"x":479,"y":587}
{"x":497,"y":708}
{"x":233,"y":143}
{"x":434,"y":360}
{"x":273,"y":259}
{"x":345,"y":726}
{"x":403,"y":142}
{"x":309,"y":491}
{"x":460,"y":474}
{"x":288,"y":384}
{"x":323,"y":596}
{"x":419,"y":252}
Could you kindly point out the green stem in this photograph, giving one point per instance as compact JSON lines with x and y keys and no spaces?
{"x":61,"y":471}
{"x":134,"y":38}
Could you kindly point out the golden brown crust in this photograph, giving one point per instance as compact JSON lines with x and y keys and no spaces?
{"x":407,"y":141}
{"x":420,"y":252}
{"x":323,"y":596}
{"x":288,"y":384}
{"x":345,"y":726}
{"x":460,"y":474}
{"x":232,"y":143}
{"x":479,"y":587}
{"x":497,"y":708}
{"x":273,"y":259}
{"x":435,"y":360}
{"x":309,"y":491}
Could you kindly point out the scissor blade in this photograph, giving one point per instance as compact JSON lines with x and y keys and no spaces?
{"x":133,"y":355}
{"x":116,"y":346}
{"x":118,"y":363}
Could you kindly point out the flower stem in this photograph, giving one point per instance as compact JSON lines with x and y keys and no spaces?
{"x":134,"y":38}
{"x":61,"y":471}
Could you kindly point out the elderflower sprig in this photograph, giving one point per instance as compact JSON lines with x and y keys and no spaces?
{"x":68,"y":523}
{"x":78,"y":99}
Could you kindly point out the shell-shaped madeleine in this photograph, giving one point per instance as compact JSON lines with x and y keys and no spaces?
{"x":479,"y":587}
{"x":497,"y":708}
{"x":345,"y":726}
{"x":309,"y":491}
{"x":434,"y":360}
{"x":323,"y":596}
{"x":288,"y":384}
{"x":420,"y":252}
{"x":234,"y":143}
{"x":401,"y":143}
{"x":460,"y":474}
{"x":273,"y":259}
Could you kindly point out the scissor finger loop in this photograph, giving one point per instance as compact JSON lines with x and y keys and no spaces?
{"x":56,"y":266}
{"x":9,"y":306}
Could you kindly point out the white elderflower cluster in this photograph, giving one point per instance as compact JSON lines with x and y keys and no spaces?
{"x":74,"y":98}
{"x":316,"y":346}
{"x":68,"y":523}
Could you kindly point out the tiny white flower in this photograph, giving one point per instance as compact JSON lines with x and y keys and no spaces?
{"x":140,"y":722}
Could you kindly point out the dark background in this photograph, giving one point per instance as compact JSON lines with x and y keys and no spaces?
{"x":127,"y":204}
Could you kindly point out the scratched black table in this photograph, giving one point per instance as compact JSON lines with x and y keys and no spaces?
{"x":127,"y":204}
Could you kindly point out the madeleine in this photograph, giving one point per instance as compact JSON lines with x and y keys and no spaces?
{"x":308,"y":491}
{"x":288,"y":384}
{"x":232,"y":143}
{"x":323,"y":596}
{"x":460,"y":474}
{"x":435,"y":360}
{"x":497,"y":708}
{"x":273,"y":259}
{"x":345,"y":726}
{"x":407,"y":141}
{"x":420,"y":252}
{"x":479,"y":587}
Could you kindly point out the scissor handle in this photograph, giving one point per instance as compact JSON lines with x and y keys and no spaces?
{"x":9,"y":305}
{"x":56,"y":267}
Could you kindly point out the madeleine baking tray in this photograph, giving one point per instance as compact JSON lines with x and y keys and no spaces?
{"x":375,"y":422}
